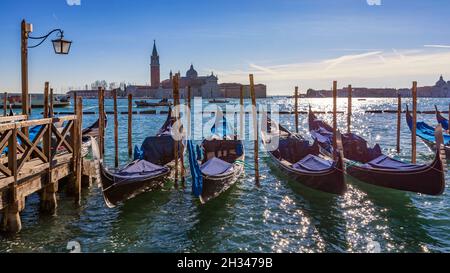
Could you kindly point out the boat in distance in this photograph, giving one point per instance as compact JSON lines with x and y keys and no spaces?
{"x":37,"y":101}
{"x":161,"y":103}
{"x":219,"y":101}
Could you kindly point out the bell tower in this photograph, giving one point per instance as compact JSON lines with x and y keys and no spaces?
{"x":155,"y":68}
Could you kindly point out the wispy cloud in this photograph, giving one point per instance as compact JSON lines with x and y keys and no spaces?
{"x":262,"y":68}
{"x":437,"y":46}
{"x":396,"y":68}
{"x":73,"y":2}
{"x":347,"y":58}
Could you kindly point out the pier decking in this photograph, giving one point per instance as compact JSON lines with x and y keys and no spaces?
{"x":30,"y":164}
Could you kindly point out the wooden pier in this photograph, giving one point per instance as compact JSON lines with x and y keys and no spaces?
{"x":37,"y":164}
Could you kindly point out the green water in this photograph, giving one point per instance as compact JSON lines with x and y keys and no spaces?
{"x":280,"y":216}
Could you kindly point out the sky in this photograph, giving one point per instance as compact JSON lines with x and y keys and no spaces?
{"x":284,"y":43}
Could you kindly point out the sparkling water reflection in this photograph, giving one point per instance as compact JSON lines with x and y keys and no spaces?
{"x":281,"y":216}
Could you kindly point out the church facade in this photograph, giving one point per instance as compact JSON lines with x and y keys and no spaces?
{"x":201,"y":86}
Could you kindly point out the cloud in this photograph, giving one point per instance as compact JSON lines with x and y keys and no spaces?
{"x":396,"y":68}
{"x":374,"y":2}
{"x":346,"y":58}
{"x":437,"y":46}
{"x":73,"y":2}
{"x":262,"y":68}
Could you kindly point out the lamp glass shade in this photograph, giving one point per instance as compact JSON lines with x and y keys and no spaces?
{"x":61,"y":46}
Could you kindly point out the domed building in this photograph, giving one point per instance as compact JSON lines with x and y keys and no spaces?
{"x":441,"y":82}
{"x":191,"y":73}
{"x":201,"y":86}
{"x":441,"y":89}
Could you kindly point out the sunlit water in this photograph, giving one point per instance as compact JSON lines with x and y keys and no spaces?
{"x":280,"y":216}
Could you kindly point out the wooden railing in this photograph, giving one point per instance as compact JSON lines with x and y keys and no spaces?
{"x":13,"y":119}
{"x":42,"y":148}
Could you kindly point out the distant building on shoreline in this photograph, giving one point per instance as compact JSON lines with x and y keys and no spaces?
{"x":440,"y":90}
{"x":201,"y":86}
{"x":233,"y":90}
{"x":92,"y":94}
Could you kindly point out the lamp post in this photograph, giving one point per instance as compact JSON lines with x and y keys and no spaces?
{"x":60,"y":45}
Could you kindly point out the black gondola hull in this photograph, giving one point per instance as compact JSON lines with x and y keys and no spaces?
{"x":429,"y":180}
{"x":330,"y":181}
{"x":213,"y":186}
{"x":115,"y":193}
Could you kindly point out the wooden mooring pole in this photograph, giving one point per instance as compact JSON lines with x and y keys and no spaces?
{"x":5,"y":102}
{"x":48,"y":194}
{"x":52,"y":113}
{"x":399,"y":122}
{"x":349,"y":111}
{"x":75,"y":96}
{"x":296,"y":110}
{"x":11,"y":216}
{"x":255,"y":129}
{"x":29,"y":104}
{"x":414,"y":129}
{"x":130,"y":125}
{"x":116,"y":132}
{"x":241,"y":114}
{"x":335,"y":115}
{"x":47,"y":86}
{"x":101,"y":119}
{"x":176,"y":94}
{"x":77,"y":150}
{"x":188,"y":113}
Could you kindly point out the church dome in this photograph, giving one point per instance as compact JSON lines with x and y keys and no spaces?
{"x":192,"y":73}
{"x":441,"y":82}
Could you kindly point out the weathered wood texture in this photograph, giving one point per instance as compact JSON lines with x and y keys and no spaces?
{"x":255,"y":129}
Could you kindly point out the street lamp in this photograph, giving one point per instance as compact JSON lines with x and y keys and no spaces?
{"x":60,"y":45}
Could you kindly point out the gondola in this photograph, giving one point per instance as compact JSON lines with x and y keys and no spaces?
{"x":161,"y":103}
{"x":149,"y":171}
{"x":441,"y":120}
{"x":216,"y":164}
{"x":218,"y":101}
{"x":426,"y":133}
{"x":302,"y":161}
{"x":370,"y":165}
{"x":93,"y":130}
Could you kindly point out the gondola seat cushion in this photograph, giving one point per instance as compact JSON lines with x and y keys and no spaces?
{"x":215,"y":166}
{"x":142,"y":168}
{"x":312,"y":163}
{"x":388,"y":163}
